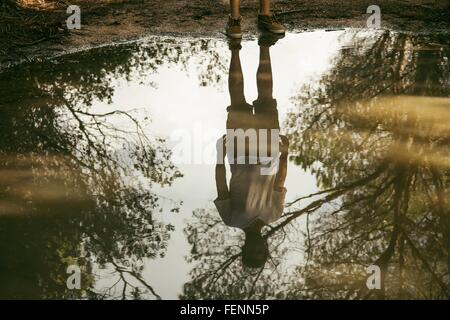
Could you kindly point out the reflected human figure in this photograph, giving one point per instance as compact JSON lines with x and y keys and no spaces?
{"x":253,"y":199}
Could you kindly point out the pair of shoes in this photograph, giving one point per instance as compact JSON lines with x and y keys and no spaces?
{"x":266,"y":23}
{"x":265,"y":39}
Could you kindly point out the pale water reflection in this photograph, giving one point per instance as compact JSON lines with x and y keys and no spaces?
{"x":92,"y":174}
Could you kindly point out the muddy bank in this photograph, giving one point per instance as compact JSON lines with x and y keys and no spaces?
{"x":37,"y":28}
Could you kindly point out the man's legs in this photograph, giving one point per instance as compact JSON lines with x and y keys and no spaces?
{"x":240,"y":113}
{"x":264,"y":7}
{"x":266,"y":114}
{"x":236,"y":80}
{"x":264,"y":78}
{"x":233,"y":28}
{"x":235,"y":8}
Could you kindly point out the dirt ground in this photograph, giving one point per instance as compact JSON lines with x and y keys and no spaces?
{"x":34,"y":29}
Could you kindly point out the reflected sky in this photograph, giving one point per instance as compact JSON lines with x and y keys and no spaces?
{"x":92,"y":171}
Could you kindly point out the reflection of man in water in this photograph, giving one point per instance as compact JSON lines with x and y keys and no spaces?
{"x":254,"y":199}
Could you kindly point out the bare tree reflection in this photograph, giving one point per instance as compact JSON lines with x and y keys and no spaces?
{"x":375,"y":134}
{"x":76,"y":186}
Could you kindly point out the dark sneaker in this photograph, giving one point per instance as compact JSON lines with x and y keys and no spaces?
{"x":268,"y":39}
{"x":270,"y":24}
{"x":233,"y":28}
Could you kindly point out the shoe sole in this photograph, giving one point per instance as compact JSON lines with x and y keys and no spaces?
{"x":268,"y":34}
{"x":278,"y":31}
{"x":263,"y":29}
{"x":234,"y":35}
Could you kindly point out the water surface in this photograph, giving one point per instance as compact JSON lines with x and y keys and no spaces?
{"x":107,"y":162}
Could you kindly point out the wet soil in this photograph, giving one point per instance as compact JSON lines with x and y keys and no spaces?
{"x":37,"y":28}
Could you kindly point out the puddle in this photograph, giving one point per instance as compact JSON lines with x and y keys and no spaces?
{"x":108,"y":164}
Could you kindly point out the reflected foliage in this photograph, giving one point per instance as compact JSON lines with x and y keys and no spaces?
{"x":389,"y":130}
{"x":375,"y":133}
{"x":76,"y":186}
{"x":219,"y":272}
